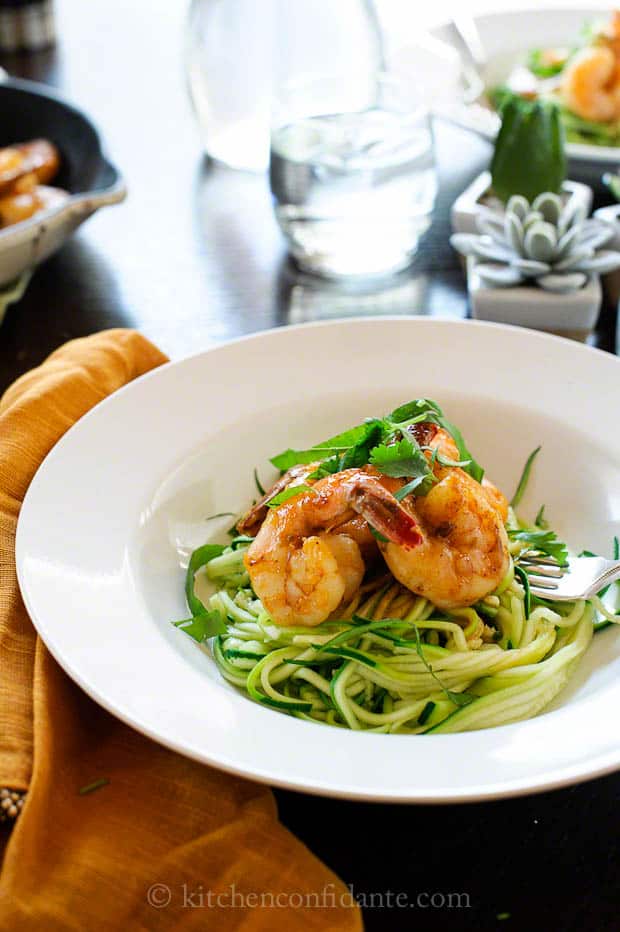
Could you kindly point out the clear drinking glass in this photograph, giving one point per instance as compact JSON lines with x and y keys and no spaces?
{"x":237,"y":51}
{"x":352,"y":173}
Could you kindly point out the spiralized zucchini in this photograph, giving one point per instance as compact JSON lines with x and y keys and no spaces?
{"x":391,"y":662}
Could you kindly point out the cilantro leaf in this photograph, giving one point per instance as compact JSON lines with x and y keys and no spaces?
{"x":401,"y":459}
{"x":290,"y":492}
{"x":359,"y":453}
{"x":356,"y":446}
{"x":545,"y":541}
{"x":203,"y":626}
{"x":340,"y":445}
{"x":404,"y":460}
{"x":356,"y":455}
{"x":327,"y":468}
{"x":423,"y":409}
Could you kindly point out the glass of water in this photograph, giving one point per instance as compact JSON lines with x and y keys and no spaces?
{"x":352,"y":173}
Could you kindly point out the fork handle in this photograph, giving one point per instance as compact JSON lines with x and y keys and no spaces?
{"x":610,"y":574}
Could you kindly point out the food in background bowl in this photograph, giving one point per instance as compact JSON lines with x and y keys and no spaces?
{"x":25,"y":170}
{"x":583,"y":79}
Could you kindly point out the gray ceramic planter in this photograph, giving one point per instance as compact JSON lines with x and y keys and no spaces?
{"x":571,"y":315}
{"x":477,"y":197}
{"x":611,"y":281}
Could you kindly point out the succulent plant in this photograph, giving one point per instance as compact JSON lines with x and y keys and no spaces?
{"x":545,"y":242}
{"x":529,"y":156}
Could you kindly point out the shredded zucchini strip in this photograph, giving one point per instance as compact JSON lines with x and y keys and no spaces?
{"x":391,"y":662}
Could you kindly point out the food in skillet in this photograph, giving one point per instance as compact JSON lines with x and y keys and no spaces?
{"x":377,"y":586}
{"x":25,"y":172}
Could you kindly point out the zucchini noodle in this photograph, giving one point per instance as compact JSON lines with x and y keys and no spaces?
{"x":391,"y":662}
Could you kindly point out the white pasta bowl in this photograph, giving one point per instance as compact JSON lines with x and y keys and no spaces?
{"x":118,"y":504}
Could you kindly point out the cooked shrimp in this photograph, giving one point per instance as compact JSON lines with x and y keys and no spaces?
{"x":24,"y":204}
{"x":610,"y":35}
{"x":254,"y":517}
{"x":430,"y":435}
{"x":39,"y":157}
{"x":463,"y":555}
{"x":590,"y":85}
{"x":306,"y":559}
{"x":496,"y":498}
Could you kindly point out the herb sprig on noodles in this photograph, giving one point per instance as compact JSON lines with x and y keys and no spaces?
{"x":386,"y":444}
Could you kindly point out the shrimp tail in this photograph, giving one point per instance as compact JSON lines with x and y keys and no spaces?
{"x":383,"y":512}
{"x":252,"y":520}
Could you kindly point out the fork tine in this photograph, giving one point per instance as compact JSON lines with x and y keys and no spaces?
{"x":531,"y":558}
{"x":545,"y":571}
{"x":546,"y":586}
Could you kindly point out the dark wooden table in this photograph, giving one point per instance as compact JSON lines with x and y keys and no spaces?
{"x":193,"y":258}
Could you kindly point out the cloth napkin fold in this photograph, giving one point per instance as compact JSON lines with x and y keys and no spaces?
{"x":166,"y":843}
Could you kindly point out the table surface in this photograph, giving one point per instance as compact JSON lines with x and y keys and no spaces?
{"x":192,"y":258}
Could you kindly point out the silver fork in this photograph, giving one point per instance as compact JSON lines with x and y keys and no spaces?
{"x":579,"y":578}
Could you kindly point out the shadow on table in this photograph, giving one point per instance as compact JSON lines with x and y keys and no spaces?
{"x":301,"y":297}
{"x":238,"y":245}
{"x":85,"y":299}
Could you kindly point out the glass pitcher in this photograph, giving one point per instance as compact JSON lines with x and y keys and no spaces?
{"x":238,"y":51}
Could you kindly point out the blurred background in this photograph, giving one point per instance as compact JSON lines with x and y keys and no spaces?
{"x":195,"y":255}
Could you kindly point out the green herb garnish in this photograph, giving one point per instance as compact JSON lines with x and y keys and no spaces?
{"x":258,"y":483}
{"x":424,"y":410}
{"x":338,"y":445}
{"x":527,"y":601}
{"x":378,"y":535}
{"x":198,"y":559}
{"x":458,"y":699}
{"x":91,"y":787}
{"x":386,"y":444}
{"x":525,"y":475}
{"x":411,"y":487}
{"x":203,"y":626}
{"x":545,"y":541}
{"x":291,"y":492}
{"x":540,"y":63}
{"x":540,"y":520}
{"x":403,"y":459}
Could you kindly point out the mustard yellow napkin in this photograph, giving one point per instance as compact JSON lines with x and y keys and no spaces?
{"x":167,"y":843}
